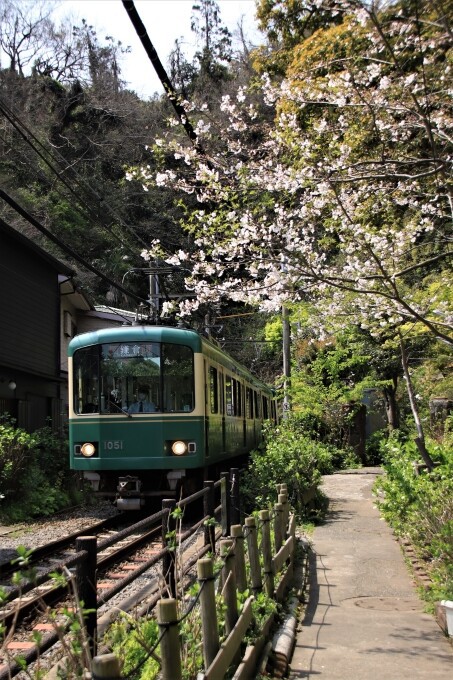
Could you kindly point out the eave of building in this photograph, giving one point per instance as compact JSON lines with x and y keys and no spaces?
{"x":69,"y":288}
{"x":30,"y":245}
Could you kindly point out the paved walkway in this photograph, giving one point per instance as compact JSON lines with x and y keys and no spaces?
{"x":363,"y":619}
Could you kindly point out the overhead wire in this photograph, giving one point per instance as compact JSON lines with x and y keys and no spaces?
{"x":173,"y":97}
{"x":65,"y":248}
{"x":28,"y":136}
{"x":34,"y":142}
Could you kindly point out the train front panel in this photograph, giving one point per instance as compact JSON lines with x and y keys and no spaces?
{"x":137,"y":408}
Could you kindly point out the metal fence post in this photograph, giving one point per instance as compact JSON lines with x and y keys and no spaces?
{"x":235,"y":516}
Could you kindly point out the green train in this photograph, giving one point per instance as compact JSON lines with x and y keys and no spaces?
{"x":154,"y":410}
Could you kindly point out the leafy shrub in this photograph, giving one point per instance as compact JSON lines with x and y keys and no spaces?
{"x":374,"y":447}
{"x":15,"y":450}
{"x":288,"y":456}
{"x":35,"y":478}
{"x":131,"y":642}
{"x":136,"y":644}
{"x":420,"y":507}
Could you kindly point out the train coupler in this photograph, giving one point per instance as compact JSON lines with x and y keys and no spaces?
{"x":129,"y":497}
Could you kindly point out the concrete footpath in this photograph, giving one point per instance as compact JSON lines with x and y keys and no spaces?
{"x":363,"y":619}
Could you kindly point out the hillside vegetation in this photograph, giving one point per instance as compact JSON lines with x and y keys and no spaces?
{"x":307,"y":215}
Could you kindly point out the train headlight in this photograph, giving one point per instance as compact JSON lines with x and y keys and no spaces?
{"x":179,"y":448}
{"x":88,"y":450}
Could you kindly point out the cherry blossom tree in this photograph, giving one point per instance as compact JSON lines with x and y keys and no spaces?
{"x":344,"y":198}
{"x":341,"y":193}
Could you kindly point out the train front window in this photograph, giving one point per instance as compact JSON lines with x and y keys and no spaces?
{"x":133,"y":377}
{"x":178,"y":378}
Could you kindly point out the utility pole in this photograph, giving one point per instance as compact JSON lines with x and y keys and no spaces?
{"x":154,"y":292}
{"x":286,"y":361}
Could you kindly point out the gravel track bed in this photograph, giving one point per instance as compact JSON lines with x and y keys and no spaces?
{"x":47,"y":529}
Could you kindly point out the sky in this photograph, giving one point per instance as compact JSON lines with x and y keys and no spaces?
{"x":165,"y":22}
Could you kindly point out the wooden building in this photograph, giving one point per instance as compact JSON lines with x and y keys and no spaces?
{"x":30,"y":365}
{"x":41,"y":309}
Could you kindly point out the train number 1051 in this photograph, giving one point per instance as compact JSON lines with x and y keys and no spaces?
{"x":115,"y":445}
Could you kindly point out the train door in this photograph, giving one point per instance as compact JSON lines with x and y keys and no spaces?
{"x":222,"y":408}
{"x":208,"y":387}
{"x":250,"y":425}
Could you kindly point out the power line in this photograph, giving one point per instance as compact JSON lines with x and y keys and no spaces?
{"x":67,"y":249}
{"x":141,"y":31}
{"x":55,"y":156}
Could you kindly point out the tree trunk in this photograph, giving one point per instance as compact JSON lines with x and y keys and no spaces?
{"x":391,"y":406}
{"x":420,"y":440}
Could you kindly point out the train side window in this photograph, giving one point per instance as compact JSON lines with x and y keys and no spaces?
{"x":238,"y":398}
{"x":273,"y":411}
{"x":214,"y":389}
{"x":257,"y":405}
{"x":248,"y":403}
{"x":222,"y":393}
{"x":265,"y":408}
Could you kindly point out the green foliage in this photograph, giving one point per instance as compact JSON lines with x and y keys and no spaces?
{"x":131,"y":641}
{"x":134,"y":642}
{"x":192,"y":646}
{"x":263,"y":607}
{"x":286,"y":24}
{"x":290,"y":456}
{"x":34,"y":473}
{"x":420,"y":507}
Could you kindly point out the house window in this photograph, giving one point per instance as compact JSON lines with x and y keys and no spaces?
{"x":68,"y":325}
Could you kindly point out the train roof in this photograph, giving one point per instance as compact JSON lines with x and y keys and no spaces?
{"x":178,"y":336}
{"x":138,"y":333}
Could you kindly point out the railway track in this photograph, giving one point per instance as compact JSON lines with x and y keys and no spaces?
{"x":51,"y":549}
{"x":40,"y":591}
{"x":122,"y":556}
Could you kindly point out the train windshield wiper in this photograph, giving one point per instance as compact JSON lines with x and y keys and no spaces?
{"x":121,"y":410}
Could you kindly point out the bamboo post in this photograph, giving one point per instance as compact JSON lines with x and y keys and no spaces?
{"x":229,"y":584}
{"x":235,"y":514}
{"x":283,"y":499}
{"x":254,"y":558}
{"x":238,"y":536}
{"x":169,"y":644}
{"x":106,"y":666}
{"x":169,"y":558}
{"x":205,"y":572}
{"x":278,"y":525}
{"x":86,"y":579}
{"x":267,"y":552}
{"x":209,"y":511}
{"x":225,"y":503}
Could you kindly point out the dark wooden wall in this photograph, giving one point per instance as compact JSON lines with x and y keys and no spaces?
{"x":29,"y":332}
